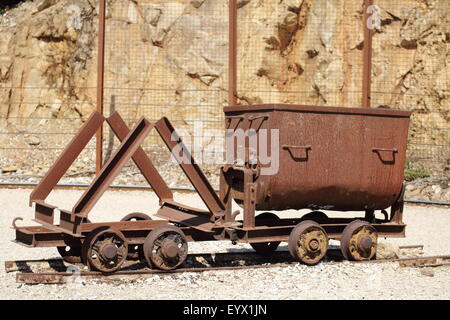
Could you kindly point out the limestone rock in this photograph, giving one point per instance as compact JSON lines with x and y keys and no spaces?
{"x":387,"y":250}
{"x":290,"y":51}
{"x":33,"y":141}
{"x":429,"y":272}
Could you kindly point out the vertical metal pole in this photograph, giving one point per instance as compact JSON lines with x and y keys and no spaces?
{"x":367,"y":57}
{"x":232,"y":54}
{"x":100,"y":82}
{"x":232,"y":94}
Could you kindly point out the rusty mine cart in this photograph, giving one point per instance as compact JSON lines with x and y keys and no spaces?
{"x":330,"y":158}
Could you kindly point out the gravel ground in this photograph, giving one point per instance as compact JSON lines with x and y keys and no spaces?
{"x":426,"y":225}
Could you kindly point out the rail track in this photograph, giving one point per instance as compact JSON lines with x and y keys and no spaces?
{"x":56,"y":271}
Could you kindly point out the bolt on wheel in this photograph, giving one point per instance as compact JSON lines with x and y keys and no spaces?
{"x":165,"y":247}
{"x":359,"y":241}
{"x":105,"y":250}
{"x":308,"y":242}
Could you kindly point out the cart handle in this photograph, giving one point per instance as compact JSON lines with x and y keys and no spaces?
{"x":384,"y":161}
{"x":290,"y":148}
{"x":231,"y":118}
{"x":264,"y":116}
{"x":297,"y":147}
{"x":385,"y":150}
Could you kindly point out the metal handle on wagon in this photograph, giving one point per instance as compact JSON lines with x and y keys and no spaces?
{"x":384,"y":150}
{"x":290,"y":148}
{"x":264,"y":116}
{"x":231,"y":118}
{"x":384,"y":161}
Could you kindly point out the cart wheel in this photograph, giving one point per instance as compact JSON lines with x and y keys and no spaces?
{"x":71,"y":252}
{"x":308,"y":242}
{"x":135,"y":216}
{"x":135,"y":251}
{"x":105,"y":249}
{"x":314,"y":215}
{"x":165,"y":247}
{"x":359,"y":241}
{"x":265,"y":247}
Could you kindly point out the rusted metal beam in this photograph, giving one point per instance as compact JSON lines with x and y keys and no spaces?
{"x":186,"y":216}
{"x":141,"y":160}
{"x":232,"y":53}
{"x":112,"y":167}
{"x":65,"y":160}
{"x":367,"y":57}
{"x":100,"y":81}
{"x":190,"y":167}
{"x":44,"y":212}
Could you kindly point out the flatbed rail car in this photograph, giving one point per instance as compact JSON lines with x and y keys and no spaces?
{"x":331,"y":158}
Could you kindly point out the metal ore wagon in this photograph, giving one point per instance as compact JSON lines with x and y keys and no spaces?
{"x":329,"y":158}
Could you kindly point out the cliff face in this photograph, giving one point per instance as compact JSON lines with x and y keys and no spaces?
{"x":174,"y":53}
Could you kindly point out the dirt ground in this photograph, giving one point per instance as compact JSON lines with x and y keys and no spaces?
{"x":426,"y":225}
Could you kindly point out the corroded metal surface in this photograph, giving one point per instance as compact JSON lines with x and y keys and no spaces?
{"x":308,"y":242}
{"x":166,"y":248}
{"x":359,"y":241}
{"x":331,"y":158}
{"x":105,"y":250}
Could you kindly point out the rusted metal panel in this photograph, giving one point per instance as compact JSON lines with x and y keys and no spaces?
{"x":141,"y":160}
{"x":190,"y":168}
{"x":65,"y":160}
{"x":329,"y":157}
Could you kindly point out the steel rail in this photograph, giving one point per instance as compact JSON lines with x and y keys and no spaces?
{"x":66,"y":277}
{"x":220,"y":257}
{"x":282,"y":259}
{"x":192,"y":259}
{"x":179,"y":189}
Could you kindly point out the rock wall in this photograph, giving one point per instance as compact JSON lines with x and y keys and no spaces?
{"x":170,"y":58}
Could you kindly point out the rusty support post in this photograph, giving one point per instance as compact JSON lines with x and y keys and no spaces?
{"x":249,"y":199}
{"x":190,"y":168}
{"x":232,"y":54}
{"x":367,"y":56}
{"x":142,"y":161}
{"x":100,"y":82}
{"x":67,"y":157}
{"x":109,"y":149}
{"x":225,"y":196}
